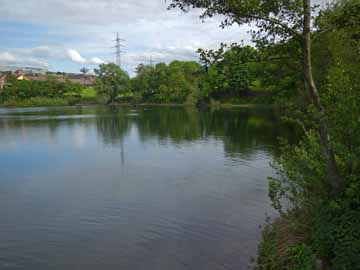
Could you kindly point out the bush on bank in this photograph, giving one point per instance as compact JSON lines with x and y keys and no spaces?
{"x":328,"y":223}
{"x":45,"y":93}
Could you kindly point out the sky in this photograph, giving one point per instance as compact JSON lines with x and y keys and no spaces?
{"x":66,"y":35}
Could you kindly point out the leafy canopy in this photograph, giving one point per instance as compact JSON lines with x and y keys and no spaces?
{"x":111,"y":81}
{"x":274,"y":18}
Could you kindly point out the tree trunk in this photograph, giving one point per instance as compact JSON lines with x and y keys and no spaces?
{"x":332,"y":170}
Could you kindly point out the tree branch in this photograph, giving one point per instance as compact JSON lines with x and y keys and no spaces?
{"x":286,"y":28}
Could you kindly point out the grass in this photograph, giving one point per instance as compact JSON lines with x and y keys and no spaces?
{"x":36,"y":102}
{"x":88,"y":92}
{"x":88,"y":95}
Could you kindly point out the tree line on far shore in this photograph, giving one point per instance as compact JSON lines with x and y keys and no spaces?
{"x":232,"y":74}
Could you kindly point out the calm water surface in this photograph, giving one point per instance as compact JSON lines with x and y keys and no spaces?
{"x":148,"y":188}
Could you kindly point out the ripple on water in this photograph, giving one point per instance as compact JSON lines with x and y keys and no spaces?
{"x":186,"y":189}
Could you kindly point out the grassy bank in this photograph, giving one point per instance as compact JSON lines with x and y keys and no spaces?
{"x":283,"y":247}
{"x":92,"y":100}
{"x":47,"y":102}
{"x":85,"y":97}
{"x":37,"y":102}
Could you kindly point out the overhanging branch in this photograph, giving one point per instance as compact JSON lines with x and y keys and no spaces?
{"x":286,"y":28}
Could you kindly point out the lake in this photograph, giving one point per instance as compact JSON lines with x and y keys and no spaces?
{"x":153,"y":188}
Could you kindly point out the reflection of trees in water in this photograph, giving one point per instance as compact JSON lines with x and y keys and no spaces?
{"x":113,"y":125}
{"x":51,"y":120}
{"x":176,"y":124}
{"x":242,"y":131}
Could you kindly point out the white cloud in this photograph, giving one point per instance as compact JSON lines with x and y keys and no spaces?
{"x":80,"y":11}
{"x":89,"y":12}
{"x":6,"y":57}
{"x":149,"y":28}
{"x":11,"y":59}
{"x":96,"y":61}
{"x":75,"y":56}
{"x":90,"y":25}
{"x":33,"y":62}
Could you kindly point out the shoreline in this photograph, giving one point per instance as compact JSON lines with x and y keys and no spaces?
{"x":226,"y":105}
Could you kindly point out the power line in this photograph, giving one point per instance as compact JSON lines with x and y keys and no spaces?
{"x":149,"y":60}
{"x":118,"y":51}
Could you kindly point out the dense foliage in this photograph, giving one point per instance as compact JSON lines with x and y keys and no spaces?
{"x":47,"y":92}
{"x":230,"y":74}
{"x":173,"y":83}
{"x":328,"y":223}
{"x":111,"y":82}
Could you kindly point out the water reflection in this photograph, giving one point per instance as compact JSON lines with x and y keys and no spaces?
{"x":242,"y":131}
{"x":123,"y":188}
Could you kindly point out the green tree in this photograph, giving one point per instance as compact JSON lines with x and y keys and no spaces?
{"x":111,"y":81}
{"x":163,"y":83}
{"x":229,"y":72}
{"x":278,"y":21}
{"x":328,"y":225}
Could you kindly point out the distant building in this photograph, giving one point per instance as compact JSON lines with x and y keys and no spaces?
{"x":18,"y":73}
{"x":33,"y":70}
{"x":86,"y":80}
{"x":37,"y":77}
{"x":35,"y":74}
{"x":23,"y":70}
{"x":22,"y":78}
{"x":2,"y":81}
{"x":29,"y":71}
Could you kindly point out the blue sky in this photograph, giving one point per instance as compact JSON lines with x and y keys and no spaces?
{"x":65,"y":35}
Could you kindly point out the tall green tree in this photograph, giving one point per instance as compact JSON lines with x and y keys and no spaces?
{"x":111,"y":81}
{"x":329,"y":225}
{"x":229,"y":72}
{"x":278,"y":21}
{"x":174,"y":82}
